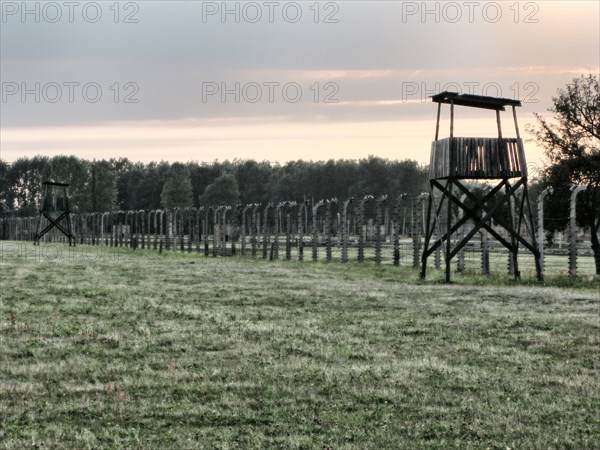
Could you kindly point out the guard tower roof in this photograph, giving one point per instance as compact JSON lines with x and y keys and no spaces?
{"x":475,"y":101}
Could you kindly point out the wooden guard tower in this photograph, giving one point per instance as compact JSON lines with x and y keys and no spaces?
{"x":500,"y":160}
{"x":55,"y":208}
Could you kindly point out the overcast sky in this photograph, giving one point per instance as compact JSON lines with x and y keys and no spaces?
{"x":192,"y":80}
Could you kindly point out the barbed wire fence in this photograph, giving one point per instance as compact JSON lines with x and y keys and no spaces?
{"x":367,"y":230}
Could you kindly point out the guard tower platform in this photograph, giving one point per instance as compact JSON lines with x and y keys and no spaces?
{"x":499,"y":159}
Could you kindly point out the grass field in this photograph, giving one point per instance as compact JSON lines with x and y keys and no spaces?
{"x":179,"y":351}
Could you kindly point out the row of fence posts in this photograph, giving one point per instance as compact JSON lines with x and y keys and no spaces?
{"x":195,"y":229}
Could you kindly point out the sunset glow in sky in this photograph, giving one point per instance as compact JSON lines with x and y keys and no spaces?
{"x":278,"y":81}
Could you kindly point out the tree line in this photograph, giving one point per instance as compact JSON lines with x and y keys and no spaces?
{"x":121,"y":184}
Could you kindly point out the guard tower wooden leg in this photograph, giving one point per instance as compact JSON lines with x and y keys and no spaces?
{"x":449,"y":231}
{"x":428,"y":233}
{"x":514,"y":246}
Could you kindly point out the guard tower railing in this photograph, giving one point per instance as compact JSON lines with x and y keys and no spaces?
{"x":477,"y":157}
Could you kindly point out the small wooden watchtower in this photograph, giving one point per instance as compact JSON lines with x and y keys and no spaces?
{"x":55,"y":208}
{"x":500,"y":160}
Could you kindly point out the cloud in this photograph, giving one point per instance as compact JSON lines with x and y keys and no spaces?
{"x":378,"y":67}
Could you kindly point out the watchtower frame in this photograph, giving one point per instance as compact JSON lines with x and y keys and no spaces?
{"x":501,"y":160}
{"x":55,"y":208}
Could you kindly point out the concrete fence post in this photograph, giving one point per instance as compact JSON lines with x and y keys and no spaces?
{"x":396,"y":229}
{"x":575,"y":190}
{"x":541,"y":232}
{"x":418,"y":217}
{"x":378,"y":222}
{"x":278,"y":228}
{"x":254,"y":228}
{"x":301,"y":229}
{"x":266,"y":231}
{"x":361,"y":226}
{"x":225,"y":210}
{"x":344,"y":229}
{"x":315,"y":231}
{"x":243,"y":229}
{"x":329,"y":227}
{"x":288,"y":230}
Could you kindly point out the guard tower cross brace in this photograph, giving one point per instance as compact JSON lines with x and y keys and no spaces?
{"x":54,"y":208}
{"x":499,"y":160}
